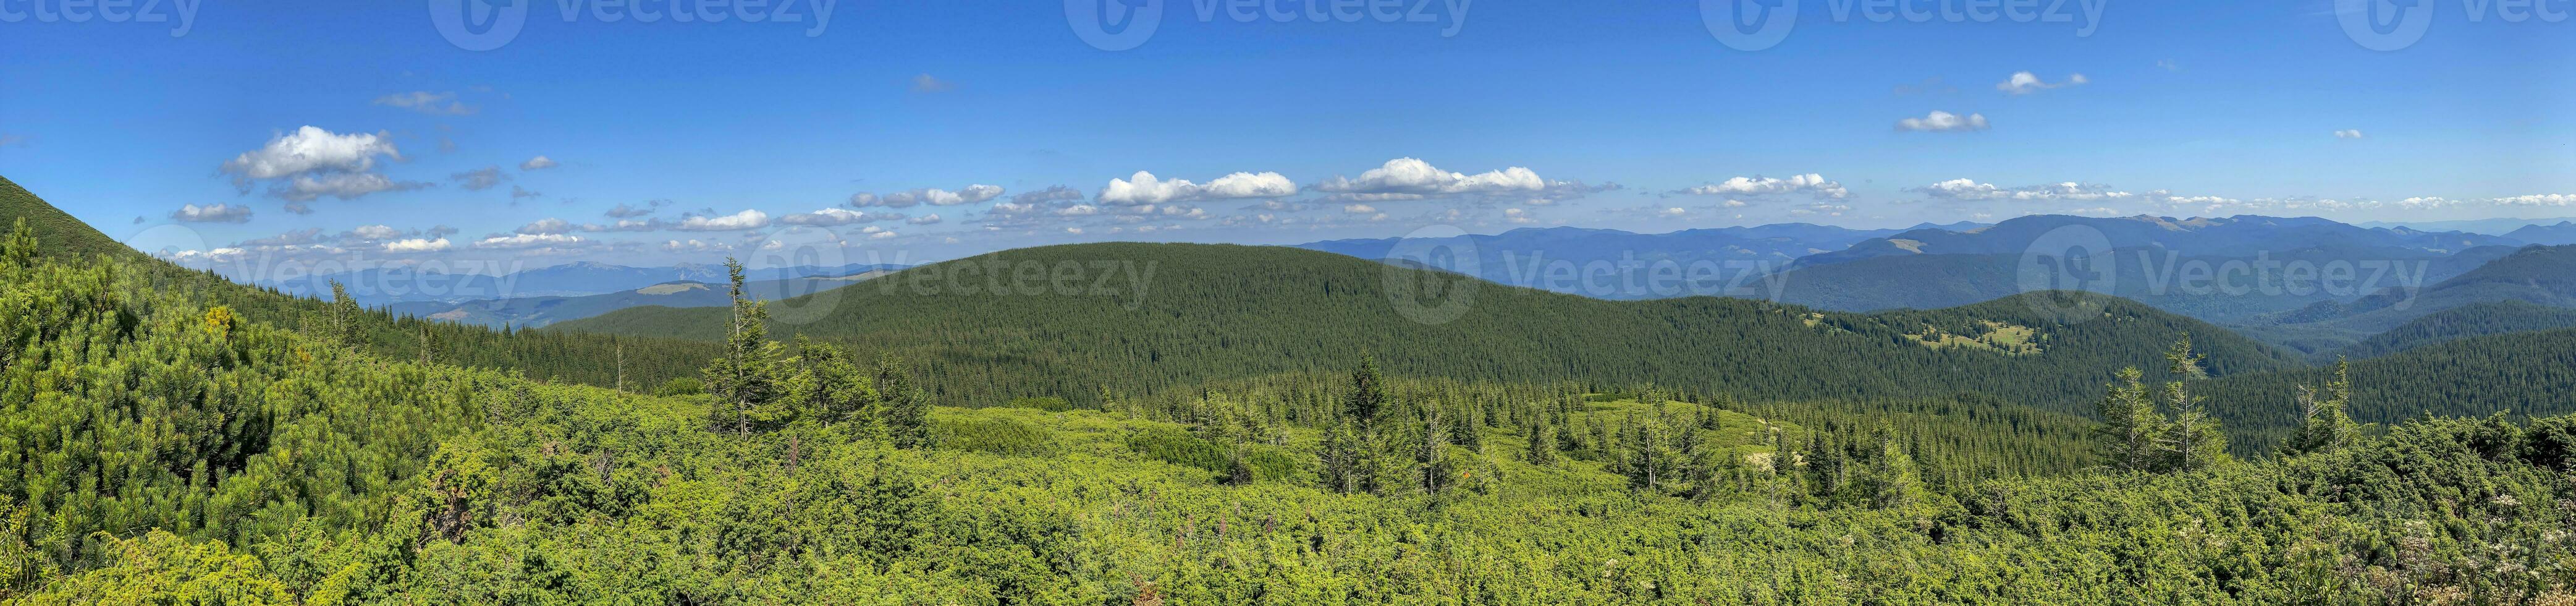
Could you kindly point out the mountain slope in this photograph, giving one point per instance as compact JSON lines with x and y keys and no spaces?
{"x":1213,"y":311}
{"x":575,"y":358}
{"x":2239,"y":236}
{"x":1614,"y":264}
{"x":63,"y":235}
{"x":2472,"y":320}
{"x":2551,"y":235}
{"x":537,"y":312}
{"x":398,"y":285}
{"x":2540,"y":275}
{"x":2526,"y":373}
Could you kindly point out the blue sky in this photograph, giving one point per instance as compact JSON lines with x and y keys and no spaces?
{"x":1594,"y":114}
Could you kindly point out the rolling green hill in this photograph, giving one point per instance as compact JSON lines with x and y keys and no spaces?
{"x":2541,"y":275}
{"x":64,"y":235}
{"x":576,"y":358}
{"x":537,"y":312}
{"x":1216,"y":311}
{"x":2472,"y":320}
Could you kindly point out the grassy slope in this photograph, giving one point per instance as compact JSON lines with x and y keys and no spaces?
{"x":575,"y":358}
{"x":1216,"y":311}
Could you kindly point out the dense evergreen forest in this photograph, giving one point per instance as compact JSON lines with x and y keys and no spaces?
{"x":1213,"y":312}
{"x":162,"y":448}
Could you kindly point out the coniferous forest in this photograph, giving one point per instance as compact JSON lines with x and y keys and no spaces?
{"x":210,"y":444}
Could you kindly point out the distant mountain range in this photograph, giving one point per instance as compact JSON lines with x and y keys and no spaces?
{"x":2562,"y":233}
{"x":1613,"y":264}
{"x":534,"y":312}
{"x":2544,"y":276}
{"x":387,"y":286}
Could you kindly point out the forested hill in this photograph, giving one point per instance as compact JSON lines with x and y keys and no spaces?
{"x":1216,"y":311}
{"x":2524,"y":373}
{"x":584,"y":359}
{"x":64,"y":235}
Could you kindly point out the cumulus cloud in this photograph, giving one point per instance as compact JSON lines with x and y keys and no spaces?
{"x":830,"y":217}
{"x":1363,"y":209}
{"x":1050,"y":194}
{"x":932,"y":196}
{"x":547,"y":226}
{"x":416,"y":245}
{"x":2023,"y":83}
{"x":1810,"y":183}
{"x":312,"y":162}
{"x":1940,"y":121}
{"x":1412,"y":176}
{"x":2348,"y":134}
{"x":1970,"y":189}
{"x":479,"y":179}
{"x":427,"y":102}
{"x":931,"y":219}
{"x":345,"y":186}
{"x":538,"y":163}
{"x":1143,"y":188}
{"x":517,"y":193}
{"x":748,"y":219}
{"x":528,"y":240}
{"x":311,"y":149}
{"x":214,"y":213}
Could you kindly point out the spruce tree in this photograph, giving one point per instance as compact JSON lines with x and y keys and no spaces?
{"x":2327,"y":427}
{"x":2131,"y":427}
{"x":2193,"y":440}
{"x":1368,"y":394}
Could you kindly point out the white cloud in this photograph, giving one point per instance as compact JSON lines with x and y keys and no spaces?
{"x":1671,"y":212}
{"x":1970,"y":189}
{"x":427,"y":102}
{"x":1363,"y":209}
{"x":1414,"y":176}
{"x":623,"y":211}
{"x":881,"y":235}
{"x":538,"y":163}
{"x":749,"y":219}
{"x":930,"y":219}
{"x":311,"y":149}
{"x":528,"y":241}
{"x":2023,"y":83}
{"x":1143,"y":188}
{"x":1941,"y":121}
{"x":416,"y":245}
{"x":547,"y":226}
{"x":1734,"y":204}
{"x":345,"y":186}
{"x":370,"y":232}
{"x":827,"y":217}
{"x":214,"y":213}
{"x":935,"y":197}
{"x":2539,"y":200}
{"x":2348,"y":133}
{"x":1810,"y":183}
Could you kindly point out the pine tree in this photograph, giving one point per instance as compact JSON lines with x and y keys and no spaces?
{"x":2193,"y":440}
{"x":20,"y":249}
{"x":1368,"y":394}
{"x":902,"y":409}
{"x":744,"y":377}
{"x":1342,"y":462}
{"x":2131,"y":427}
{"x":1542,"y":443}
{"x":2328,"y":427}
